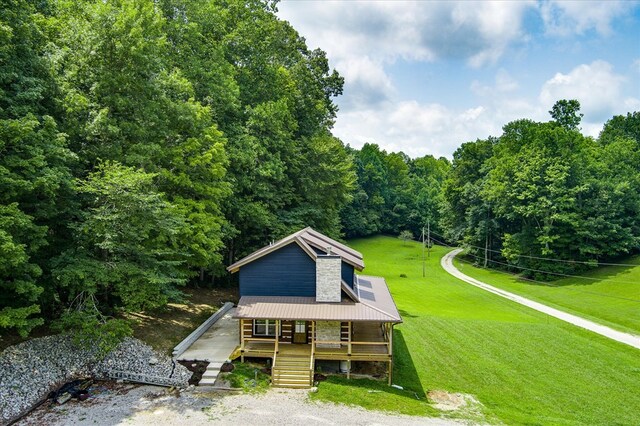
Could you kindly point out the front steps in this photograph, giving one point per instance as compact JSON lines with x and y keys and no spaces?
{"x":292,"y":371}
{"x":211,"y":374}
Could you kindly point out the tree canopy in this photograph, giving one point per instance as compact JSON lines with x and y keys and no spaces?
{"x":145,"y":144}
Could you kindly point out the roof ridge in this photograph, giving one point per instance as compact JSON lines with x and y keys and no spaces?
{"x":334,"y":242}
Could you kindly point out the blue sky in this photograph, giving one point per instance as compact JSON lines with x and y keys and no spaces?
{"x":424,"y":77}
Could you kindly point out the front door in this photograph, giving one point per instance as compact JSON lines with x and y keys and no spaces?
{"x":299,"y":332}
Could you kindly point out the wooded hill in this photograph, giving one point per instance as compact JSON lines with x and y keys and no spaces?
{"x":145,"y":144}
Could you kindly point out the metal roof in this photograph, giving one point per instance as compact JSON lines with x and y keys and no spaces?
{"x":376,"y":304}
{"x":306,"y":238}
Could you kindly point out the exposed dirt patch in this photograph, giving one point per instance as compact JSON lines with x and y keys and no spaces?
{"x":227,"y":367}
{"x":446,"y":401}
{"x":197,"y":368}
{"x":164,"y":328}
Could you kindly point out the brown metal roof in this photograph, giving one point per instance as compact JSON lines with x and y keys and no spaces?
{"x":376,"y":304}
{"x":305,"y":238}
{"x":320,"y":241}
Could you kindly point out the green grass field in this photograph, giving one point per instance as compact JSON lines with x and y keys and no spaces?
{"x":523,"y":367}
{"x":611,"y":298}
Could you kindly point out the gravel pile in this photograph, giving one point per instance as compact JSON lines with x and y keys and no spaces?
{"x":134,"y":356}
{"x":30,"y":370}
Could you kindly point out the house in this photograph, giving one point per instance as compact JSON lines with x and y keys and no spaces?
{"x":302,"y":301}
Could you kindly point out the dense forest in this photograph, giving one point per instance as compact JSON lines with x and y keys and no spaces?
{"x":146,"y":144}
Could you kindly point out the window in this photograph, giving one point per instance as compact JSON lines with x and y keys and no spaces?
{"x":301,"y":327}
{"x":264,"y":327}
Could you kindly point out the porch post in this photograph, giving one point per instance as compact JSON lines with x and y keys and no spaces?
{"x":348,"y":369}
{"x":390,"y":325}
{"x":242,"y":340}
{"x":350,"y":327}
{"x":277,"y":334}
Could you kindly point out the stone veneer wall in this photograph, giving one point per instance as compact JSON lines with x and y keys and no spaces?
{"x":328,"y":331}
{"x":328,"y":278}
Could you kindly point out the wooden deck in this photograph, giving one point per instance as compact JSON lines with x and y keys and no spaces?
{"x":294,"y":363}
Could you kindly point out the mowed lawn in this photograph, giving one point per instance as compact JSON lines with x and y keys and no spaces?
{"x":611,"y":298}
{"x":524,"y":367}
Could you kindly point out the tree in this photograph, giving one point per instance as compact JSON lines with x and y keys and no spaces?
{"x":127,"y":252}
{"x":34,"y":166}
{"x":405,"y":236}
{"x":567,"y":113}
{"x":621,"y":126}
{"x":127,"y":101}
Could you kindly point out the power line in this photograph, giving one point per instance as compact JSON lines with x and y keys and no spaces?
{"x":542,"y":271}
{"x":550,"y":284}
{"x":550,"y":259}
{"x":540,"y":282}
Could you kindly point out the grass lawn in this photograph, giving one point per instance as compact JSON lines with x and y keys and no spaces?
{"x":613,"y":299}
{"x":523,"y":366}
{"x":248,"y":377}
{"x":373,"y":395}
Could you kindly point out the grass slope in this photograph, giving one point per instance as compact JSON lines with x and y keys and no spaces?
{"x":611,"y":298}
{"x":523,"y":366}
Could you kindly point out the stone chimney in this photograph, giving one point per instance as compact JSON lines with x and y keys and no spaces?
{"x":328,"y":277}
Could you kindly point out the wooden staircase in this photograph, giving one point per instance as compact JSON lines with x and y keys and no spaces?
{"x":292,"y":369}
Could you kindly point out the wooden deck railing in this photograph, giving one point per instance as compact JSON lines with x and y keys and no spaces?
{"x":349,"y":345}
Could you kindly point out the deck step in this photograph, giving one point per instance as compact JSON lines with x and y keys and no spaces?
{"x":292,"y":371}
{"x":292,"y":375}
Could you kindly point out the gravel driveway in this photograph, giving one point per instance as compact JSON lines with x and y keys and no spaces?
{"x":150,"y":405}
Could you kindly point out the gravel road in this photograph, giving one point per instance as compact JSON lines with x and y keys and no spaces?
{"x":150,"y":405}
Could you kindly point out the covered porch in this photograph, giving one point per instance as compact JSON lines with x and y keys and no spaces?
{"x":355,"y":341}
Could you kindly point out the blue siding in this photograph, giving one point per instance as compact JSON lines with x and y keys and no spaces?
{"x":288,"y":271}
{"x":347,"y":273}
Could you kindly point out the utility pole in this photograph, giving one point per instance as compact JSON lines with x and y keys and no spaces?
{"x":428,"y":239}
{"x":423,"y":259}
{"x":486,"y":241}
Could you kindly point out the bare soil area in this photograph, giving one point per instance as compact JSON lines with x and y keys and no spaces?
{"x":163,"y":329}
{"x":149,"y":405}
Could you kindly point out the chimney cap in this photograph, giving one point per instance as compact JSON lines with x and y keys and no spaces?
{"x":328,"y":250}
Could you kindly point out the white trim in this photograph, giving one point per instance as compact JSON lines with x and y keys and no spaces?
{"x":278,"y":330}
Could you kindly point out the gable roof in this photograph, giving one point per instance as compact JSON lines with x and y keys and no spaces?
{"x":306,"y":238}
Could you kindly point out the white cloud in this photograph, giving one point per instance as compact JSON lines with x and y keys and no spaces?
{"x":600,"y":91}
{"x":563,"y":18}
{"x":364,"y":38}
{"x":477,"y":32}
{"x":366,"y":81}
{"x":418,"y":129}
{"x":414,"y":128}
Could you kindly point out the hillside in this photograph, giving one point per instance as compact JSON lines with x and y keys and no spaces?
{"x":523,"y":367}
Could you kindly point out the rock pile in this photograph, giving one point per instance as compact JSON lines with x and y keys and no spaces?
{"x":30,"y":370}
